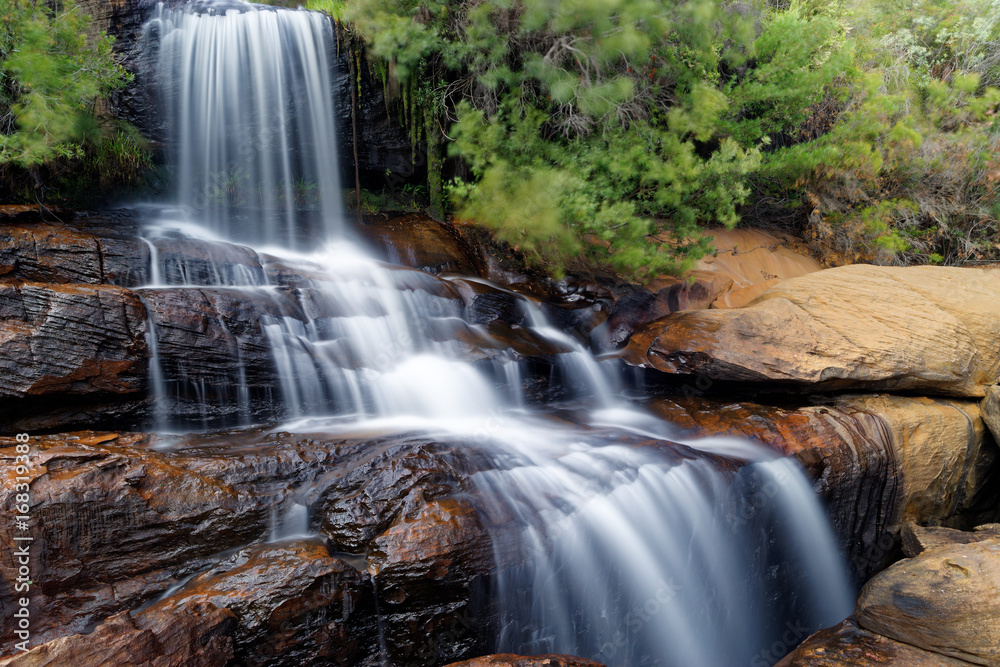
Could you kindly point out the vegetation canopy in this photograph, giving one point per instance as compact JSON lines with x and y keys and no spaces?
{"x":615,"y":131}
{"x":51,"y":79}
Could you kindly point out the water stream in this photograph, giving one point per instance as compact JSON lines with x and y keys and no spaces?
{"x":631,"y":552}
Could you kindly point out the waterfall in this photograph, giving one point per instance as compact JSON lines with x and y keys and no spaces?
{"x":629,"y":549}
{"x":247,"y":96}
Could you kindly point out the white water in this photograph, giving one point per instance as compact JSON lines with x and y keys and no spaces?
{"x":247,"y":95}
{"x":627,"y":551}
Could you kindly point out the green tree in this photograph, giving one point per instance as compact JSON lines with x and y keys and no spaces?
{"x":50,"y":81}
{"x":609,"y":130}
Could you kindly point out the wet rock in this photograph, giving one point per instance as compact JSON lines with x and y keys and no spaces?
{"x":510,"y":660}
{"x":945,"y":600}
{"x":420,"y":242}
{"x":213,"y":345}
{"x":848,"y":645}
{"x":68,"y":341}
{"x":880,"y":328}
{"x":115,"y":524}
{"x":184,"y":261}
{"x":195,"y":636}
{"x":49,"y":253}
{"x":876,"y":461}
{"x":294,"y":604}
{"x":406,"y":507}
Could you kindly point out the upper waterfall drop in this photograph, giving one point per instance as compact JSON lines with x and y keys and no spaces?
{"x":249,"y":108}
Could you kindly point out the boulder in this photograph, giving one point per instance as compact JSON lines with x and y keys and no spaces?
{"x":420,"y":242}
{"x":931,"y":329}
{"x":848,"y":645}
{"x":195,"y":636}
{"x":917,"y":539}
{"x":991,"y":411}
{"x":945,"y":600}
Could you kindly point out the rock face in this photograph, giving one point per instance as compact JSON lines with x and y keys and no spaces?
{"x":117,"y":524}
{"x":828,"y":330}
{"x":109,"y":534}
{"x":293,"y":604}
{"x":946,"y":600}
{"x":877,"y":461}
{"x":47,"y":253}
{"x":66,"y":349}
{"x":422,"y":243}
{"x":195,"y":636}
{"x":72,"y":338}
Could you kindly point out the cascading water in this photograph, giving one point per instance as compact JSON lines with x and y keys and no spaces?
{"x":247,"y":96}
{"x":631,"y":550}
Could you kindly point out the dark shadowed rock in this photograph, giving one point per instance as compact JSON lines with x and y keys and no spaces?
{"x":294,"y":605}
{"x":70,"y":339}
{"x":195,"y":636}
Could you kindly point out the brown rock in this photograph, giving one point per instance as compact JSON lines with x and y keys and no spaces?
{"x":991,"y":411}
{"x":423,"y":243}
{"x":945,"y":600}
{"x":293,"y":602}
{"x":875,"y":460}
{"x":882,"y":328}
{"x":114,"y":524}
{"x":195,"y":636}
{"x":70,"y":339}
{"x":510,"y":660}
{"x":917,"y":539}
{"x":51,"y":253}
{"x":847,"y":645}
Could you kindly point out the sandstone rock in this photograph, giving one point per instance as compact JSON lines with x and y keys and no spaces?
{"x":945,"y":600}
{"x":847,"y":645}
{"x":991,"y":411}
{"x":48,"y":253}
{"x":293,"y":603}
{"x":195,"y":636}
{"x":917,"y":539}
{"x":70,"y":339}
{"x":116,"y":524}
{"x":876,"y":461}
{"x":510,"y":660}
{"x":919,"y":328}
{"x":420,"y":242}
